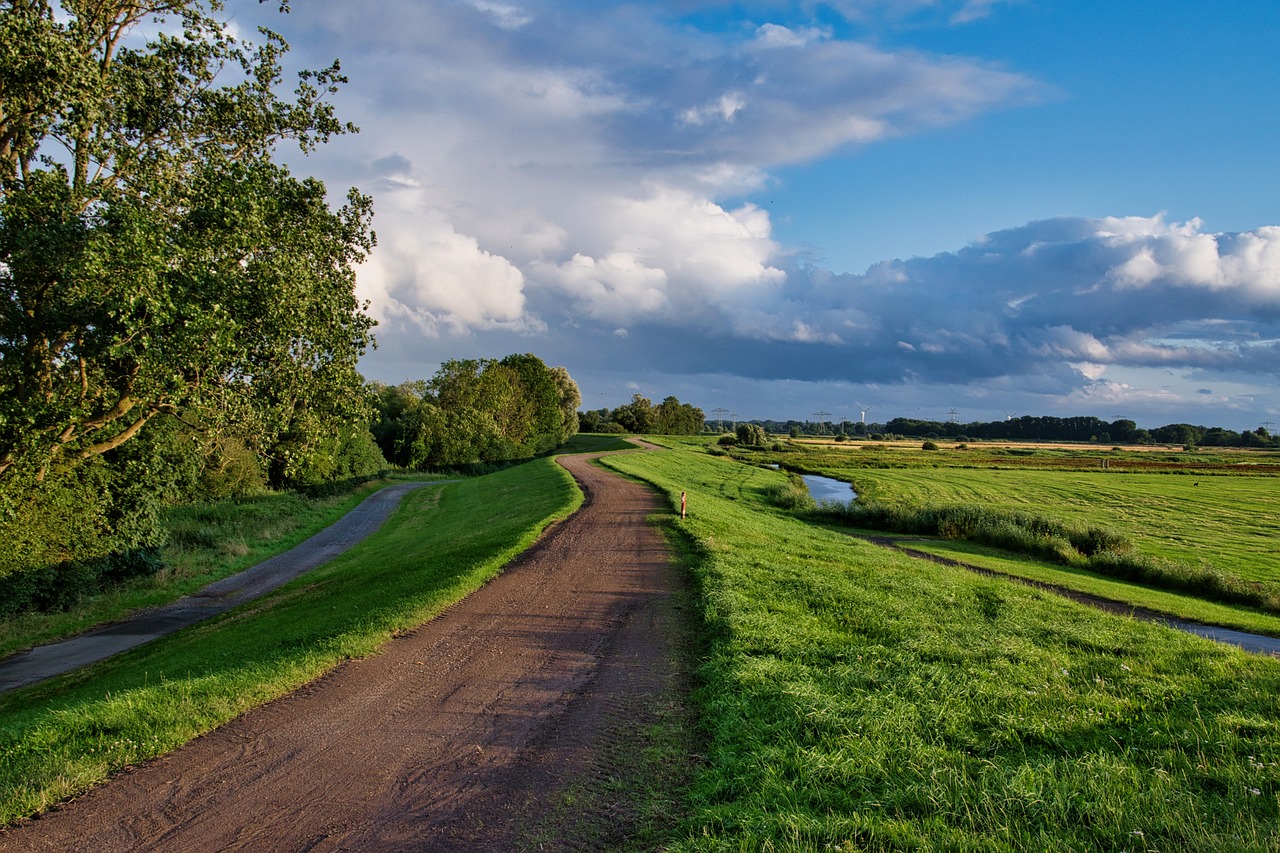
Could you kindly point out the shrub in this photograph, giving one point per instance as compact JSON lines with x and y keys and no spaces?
{"x":752,"y":435}
{"x":791,"y":494}
{"x":929,"y":445}
{"x":727,"y":440}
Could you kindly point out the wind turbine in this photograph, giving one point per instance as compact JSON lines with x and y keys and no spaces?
{"x":1008,"y":416}
{"x":863,"y":409}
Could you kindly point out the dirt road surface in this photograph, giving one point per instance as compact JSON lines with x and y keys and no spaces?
{"x":461,"y":735}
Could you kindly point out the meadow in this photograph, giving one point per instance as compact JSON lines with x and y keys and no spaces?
{"x":1199,"y":523}
{"x":853,"y":698}
{"x":1231,"y":522}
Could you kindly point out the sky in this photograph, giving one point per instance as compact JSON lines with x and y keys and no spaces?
{"x":940,"y":209}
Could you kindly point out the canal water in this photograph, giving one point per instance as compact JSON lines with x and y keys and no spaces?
{"x":827,"y":489}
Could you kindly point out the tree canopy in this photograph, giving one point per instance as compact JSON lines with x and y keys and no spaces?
{"x":477,"y":410}
{"x":154,"y":256}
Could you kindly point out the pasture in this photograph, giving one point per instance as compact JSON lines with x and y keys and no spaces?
{"x":854,"y":699}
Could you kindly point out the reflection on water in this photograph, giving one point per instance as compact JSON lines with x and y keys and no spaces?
{"x":827,"y":489}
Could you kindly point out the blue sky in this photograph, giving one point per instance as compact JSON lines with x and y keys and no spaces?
{"x":779,"y":208}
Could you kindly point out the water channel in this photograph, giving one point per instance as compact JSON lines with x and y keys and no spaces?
{"x":827,"y":489}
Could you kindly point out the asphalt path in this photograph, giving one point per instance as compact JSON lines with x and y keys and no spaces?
{"x":100,"y":643}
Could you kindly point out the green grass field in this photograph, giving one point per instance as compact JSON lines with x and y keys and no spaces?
{"x":1230,"y":522}
{"x":856,"y":699}
{"x":61,"y":736}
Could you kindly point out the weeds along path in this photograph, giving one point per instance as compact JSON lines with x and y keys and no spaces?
{"x":460,"y":735}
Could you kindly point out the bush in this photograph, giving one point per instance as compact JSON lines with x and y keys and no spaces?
{"x":752,"y":435}
{"x":929,"y":445}
{"x":791,"y":494}
{"x":727,"y":440}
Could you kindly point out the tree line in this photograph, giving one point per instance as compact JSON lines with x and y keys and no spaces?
{"x":642,"y":417}
{"x":1033,"y":428}
{"x":179,"y":320}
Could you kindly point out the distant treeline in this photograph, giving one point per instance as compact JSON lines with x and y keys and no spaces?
{"x":1034,"y":428}
{"x":641,"y":416}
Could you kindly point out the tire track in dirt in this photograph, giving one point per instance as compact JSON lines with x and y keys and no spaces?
{"x":460,"y":735}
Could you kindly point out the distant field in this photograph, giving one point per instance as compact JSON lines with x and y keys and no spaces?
{"x":1212,"y":507}
{"x":1232,"y":523}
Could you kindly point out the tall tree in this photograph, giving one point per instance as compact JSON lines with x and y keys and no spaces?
{"x":154,"y":258}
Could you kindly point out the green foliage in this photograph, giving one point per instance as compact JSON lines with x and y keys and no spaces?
{"x":476,"y":411}
{"x":179,"y":316}
{"x":752,"y":435}
{"x":166,"y":264}
{"x":641,"y":417}
{"x":929,"y":445}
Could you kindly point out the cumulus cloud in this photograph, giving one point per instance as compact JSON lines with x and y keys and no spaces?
{"x":1128,"y":292}
{"x":538,"y":132}
{"x":437,"y":279}
{"x":670,"y":256}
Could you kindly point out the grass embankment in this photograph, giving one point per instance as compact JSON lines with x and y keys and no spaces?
{"x":206,"y":542}
{"x":1175,"y":604}
{"x":59,"y":737}
{"x":853,"y":700}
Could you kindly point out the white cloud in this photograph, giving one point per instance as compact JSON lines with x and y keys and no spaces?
{"x":776,"y":35}
{"x":508,"y":16}
{"x":670,"y":256}
{"x":438,"y":279}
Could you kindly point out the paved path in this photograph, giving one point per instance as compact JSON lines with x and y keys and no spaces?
{"x":101,"y":643}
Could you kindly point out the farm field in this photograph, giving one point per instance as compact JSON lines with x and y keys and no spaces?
{"x":855,"y":701}
{"x":1216,"y":509}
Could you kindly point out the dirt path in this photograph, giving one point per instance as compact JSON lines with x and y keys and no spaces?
{"x":459,"y":736}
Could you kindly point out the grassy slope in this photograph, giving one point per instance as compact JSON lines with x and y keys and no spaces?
{"x":59,"y":737}
{"x":854,"y":701}
{"x":207,"y":542}
{"x":1183,"y":606}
